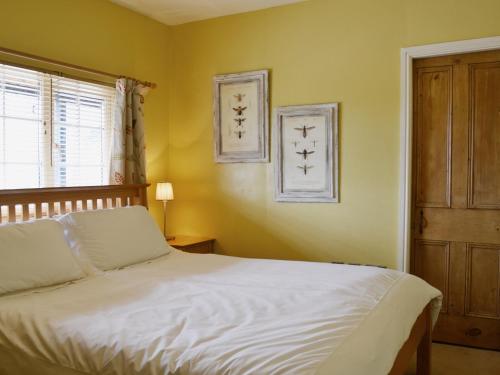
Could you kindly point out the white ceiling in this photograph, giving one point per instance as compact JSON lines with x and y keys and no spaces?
{"x":175,"y":12}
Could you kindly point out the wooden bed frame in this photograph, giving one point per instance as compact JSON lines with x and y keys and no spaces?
{"x":26,"y":204}
{"x":420,"y":340}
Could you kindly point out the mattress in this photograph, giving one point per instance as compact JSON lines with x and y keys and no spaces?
{"x":212,"y":314}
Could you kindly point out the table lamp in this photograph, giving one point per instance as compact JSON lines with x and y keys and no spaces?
{"x":164,"y":193}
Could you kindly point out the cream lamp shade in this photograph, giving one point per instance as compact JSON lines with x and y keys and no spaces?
{"x":164,"y":191}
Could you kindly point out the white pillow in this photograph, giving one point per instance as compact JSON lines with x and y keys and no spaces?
{"x":35,"y":254}
{"x":114,"y":238}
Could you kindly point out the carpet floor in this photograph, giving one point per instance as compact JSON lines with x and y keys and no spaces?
{"x":458,"y":360}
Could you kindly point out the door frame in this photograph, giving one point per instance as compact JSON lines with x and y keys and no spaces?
{"x":406,"y":127}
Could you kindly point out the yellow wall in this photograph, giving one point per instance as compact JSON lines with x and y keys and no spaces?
{"x":99,"y":35}
{"x":318,"y":51}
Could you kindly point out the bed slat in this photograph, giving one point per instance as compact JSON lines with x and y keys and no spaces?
{"x":38,"y":210}
{"x":12,"y":213}
{"x":26,"y":212}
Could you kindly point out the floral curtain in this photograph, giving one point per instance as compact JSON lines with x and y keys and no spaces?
{"x":128,"y":160}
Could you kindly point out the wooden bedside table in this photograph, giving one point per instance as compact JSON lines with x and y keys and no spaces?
{"x":191,"y":244}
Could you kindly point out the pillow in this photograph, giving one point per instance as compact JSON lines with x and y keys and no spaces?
{"x":114,"y":238}
{"x":35,"y":254}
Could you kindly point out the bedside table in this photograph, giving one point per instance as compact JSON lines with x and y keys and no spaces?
{"x":191,"y":244}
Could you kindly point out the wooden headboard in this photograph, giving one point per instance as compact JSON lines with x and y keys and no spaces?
{"x":27,"y":204}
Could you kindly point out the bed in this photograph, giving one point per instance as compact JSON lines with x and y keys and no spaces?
{"x":210,"y":314}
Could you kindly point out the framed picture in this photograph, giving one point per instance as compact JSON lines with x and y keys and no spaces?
{"x":241,"y":117}
{"x":306,"y":153}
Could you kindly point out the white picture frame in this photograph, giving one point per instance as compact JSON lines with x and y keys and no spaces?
{"x":241,"y":117}
{"x":306,"y":153}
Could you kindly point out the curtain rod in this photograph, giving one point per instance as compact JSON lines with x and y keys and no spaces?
{"x":29,"y":56}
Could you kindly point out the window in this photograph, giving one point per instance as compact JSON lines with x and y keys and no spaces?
{"x":54,"y":131}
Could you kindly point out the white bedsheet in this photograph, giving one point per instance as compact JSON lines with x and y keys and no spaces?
{"x":210,"y":314}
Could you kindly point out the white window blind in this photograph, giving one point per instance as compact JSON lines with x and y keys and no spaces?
{"x":54,"y":131}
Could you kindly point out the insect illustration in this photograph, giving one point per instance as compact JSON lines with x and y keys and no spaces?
{"x":305,"y":168}
{"x":239,"y":110}
{"x":314,"y":143}
{"x":239,"y":120}
{"x":295,"y":143}
{"x":240,"y":133}
{"x":304,"y":153}
{"x":304,"y":129}
{"x":239,"y":97}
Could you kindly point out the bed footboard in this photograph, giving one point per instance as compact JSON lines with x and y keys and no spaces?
{"x":420,"y":340}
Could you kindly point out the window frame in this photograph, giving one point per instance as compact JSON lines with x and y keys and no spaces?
{"x":49,"y":169}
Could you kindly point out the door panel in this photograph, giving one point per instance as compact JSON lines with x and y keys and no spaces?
{"x":482,"y":291}
{"x":457,"y":269}
{"x":456,"y":192}
{"x":461,"y":225}
{"x":460,"y":138}
{"x":467,"y":330}
{"x":434,"y":134}
{"x":485,"y":131}
{"x":431,"y":264}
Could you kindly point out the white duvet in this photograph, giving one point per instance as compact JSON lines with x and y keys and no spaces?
{"x":211,"y":314}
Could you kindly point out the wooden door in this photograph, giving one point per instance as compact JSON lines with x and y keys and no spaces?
{"x":456,"y":192}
